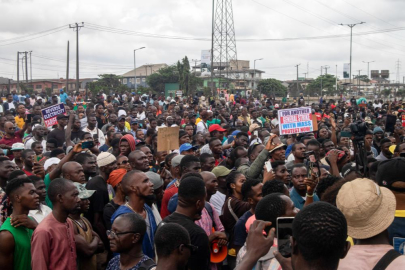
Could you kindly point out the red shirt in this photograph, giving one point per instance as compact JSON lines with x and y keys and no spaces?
{"x":27,"y":172}
{"x":7,"y":141}
{"x":173,"y":189}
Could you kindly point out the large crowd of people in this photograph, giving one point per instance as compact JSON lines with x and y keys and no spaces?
{"x":95,"y":191}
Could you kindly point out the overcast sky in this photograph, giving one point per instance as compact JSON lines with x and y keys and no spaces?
{"x":105,"y":52}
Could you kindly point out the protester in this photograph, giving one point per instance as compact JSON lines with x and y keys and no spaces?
{"x":189,"y":209}
{"x":137,"y":187}
{"x":173,"y":246}
{"x":53,"y":244}
{"x":16,"y":231}
{"x":369,"y":211}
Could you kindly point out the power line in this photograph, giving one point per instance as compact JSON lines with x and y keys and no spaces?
{"x":48,"y":33}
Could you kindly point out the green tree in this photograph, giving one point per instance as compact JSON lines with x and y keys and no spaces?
{"x":157,"y":80}
{"x":107,"y":83}
{"x":272,"y":87}
{"x":328,"y":82}
{"x":363,"y":78}
{"x":386,"y":92}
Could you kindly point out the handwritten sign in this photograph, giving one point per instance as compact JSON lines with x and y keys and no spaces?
{"x":168,"y":138}
{"x":297,"y":120}
{"x":50,"y":113}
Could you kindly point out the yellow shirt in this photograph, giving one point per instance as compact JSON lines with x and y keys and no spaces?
{"x":231,"y":97}
{"x":19,"y":122}
{"x":198,"y":120}
{"x":127,"y":125}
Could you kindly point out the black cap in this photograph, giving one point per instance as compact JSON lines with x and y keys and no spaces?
{"x":348,"y":168}
{"x":390,"y":171}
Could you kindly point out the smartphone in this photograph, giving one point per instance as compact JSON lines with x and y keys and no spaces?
{"x":345,"y":134}
{"x":29,"y":118}
{"x":390,"y":123}
{"x":268,"y":166}
{"x":256,"y":133}
{"x":284,"y":233}
{"x":95,"y":136}
{"x":87,"y":145}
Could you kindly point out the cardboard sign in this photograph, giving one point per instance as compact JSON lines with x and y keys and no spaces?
{"x":296,"y":120}
{"x":168,"y":138}
{"x":49,"y":114}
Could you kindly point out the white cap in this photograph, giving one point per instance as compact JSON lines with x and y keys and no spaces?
{"x":50,"y":162}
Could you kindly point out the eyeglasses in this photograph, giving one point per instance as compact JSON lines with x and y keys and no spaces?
{"x":113,"y":234}
{"x":124,"y":162}
{"x":192,"y":248}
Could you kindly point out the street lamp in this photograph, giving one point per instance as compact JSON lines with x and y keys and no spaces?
{"x":135,"y":66}
{"x":254,"y":72}
{"x":351,"y":36}
{"x":368,"y":67}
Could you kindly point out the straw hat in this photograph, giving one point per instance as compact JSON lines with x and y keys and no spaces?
{"x":369,"y":209}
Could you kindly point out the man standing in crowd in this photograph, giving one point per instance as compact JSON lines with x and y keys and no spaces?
{"x":53,"y":243}
{"x":16,"y":232}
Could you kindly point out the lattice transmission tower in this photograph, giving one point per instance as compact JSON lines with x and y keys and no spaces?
{"x":224,"y":42}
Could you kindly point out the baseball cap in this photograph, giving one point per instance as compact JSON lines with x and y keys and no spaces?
{"x":17,"y":146}
{"x":377,"y":129}
{"x":62,"y":116}
{"x":186,"y":147}
{"x":368,"y":208}
{"x":216,"y":127}
{"x":83,"y":192}
{"x":176,"y":160}
{"x":134,"y":121}
{"x":221,"y":171}
{"x":368,"y":120}
{"x":348,"y":168}
{"x":122,"y":117}
{"x":155,"y":179}
{"x":391,"y":171}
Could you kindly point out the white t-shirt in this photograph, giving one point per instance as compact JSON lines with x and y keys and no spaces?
{"x":29,"y":143}
{"x":201,"y":126}
{"x":217,"y":200}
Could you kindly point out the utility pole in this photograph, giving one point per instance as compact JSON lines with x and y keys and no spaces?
{"x":305,"y":75}
{"x":368,"y":67}
{"x":212,"y":49}
{"x":18,"y":71}
{"x":31,"y":69}
{"x":67,"y":69}
{"x":351,"y":39}
{"x":297,"y":78}
{"x":326,"y":69}
{"x":358,"y":82}
{"x":135,"y":67}
{"x":22,"y":66}
{"x":254,"y":72}
{"x":398,"y":66}
{"x":336,"y":80}
{"x":26,"y":69}
{"x":195,"y":64}
{"x":321,"y":81}
{"x":77,"y":27}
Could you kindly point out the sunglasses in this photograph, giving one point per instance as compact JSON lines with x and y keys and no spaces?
{"x":123,"y":162}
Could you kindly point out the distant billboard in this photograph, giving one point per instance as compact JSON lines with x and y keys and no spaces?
{"x":205,"y":62}
{"x":375,"y":74}
{"x":346,"y":70}
{"x":385,"y":74}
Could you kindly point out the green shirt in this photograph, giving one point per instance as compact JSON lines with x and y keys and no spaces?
{"x":213,"y":121}
{"x":47,"y":181}
{"x":22,"y":245}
